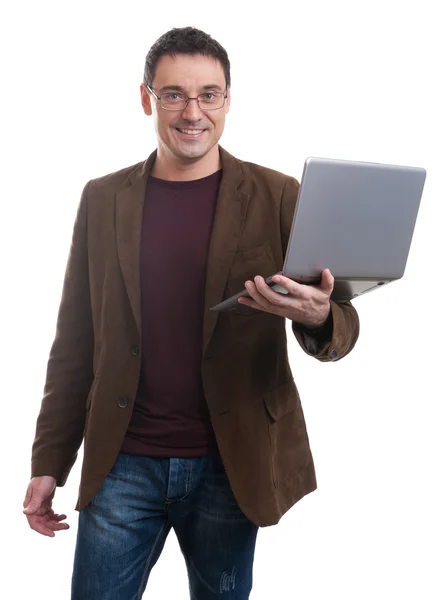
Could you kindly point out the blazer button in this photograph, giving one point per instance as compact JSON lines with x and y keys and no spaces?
{"x":122,"y":402}
{"x":134,"y":350}
{"x":333,"y":353}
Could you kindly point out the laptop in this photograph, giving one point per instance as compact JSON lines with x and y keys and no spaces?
{"x":356,"y":219}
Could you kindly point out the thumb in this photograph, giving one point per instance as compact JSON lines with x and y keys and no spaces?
{"x":327,"y":282}
{"x":28,"y":496}
{"x":32,"y":504}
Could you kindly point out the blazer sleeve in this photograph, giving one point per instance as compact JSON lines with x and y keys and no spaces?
{"x":339,"y":334}
{"x":60,"y":423}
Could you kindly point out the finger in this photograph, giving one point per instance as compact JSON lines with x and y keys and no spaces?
{"x":249,"y":302}
{"x":44,"y":531}
{"x":59,"y":517}
{"x":54,"y":516}
{"x":266,"y":291}
{"x":41,"y":528}
{"x":294,"y":288}
{"x":54,"y":526}
{"x":260,"y":299}
{"x":255,"y":295}
{"x":272,"y":301}
{"x":45,"y":526}
{"x":327,"y":282}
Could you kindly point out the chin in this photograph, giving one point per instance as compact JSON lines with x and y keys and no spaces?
{"x":193,"y":153}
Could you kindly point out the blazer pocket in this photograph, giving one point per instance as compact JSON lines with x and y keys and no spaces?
{"x":246,"y":265}
{"x":281,"y":401}
{"x":288,"y":440}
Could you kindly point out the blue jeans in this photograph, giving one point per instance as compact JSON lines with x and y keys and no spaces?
{"x":122,"y":532}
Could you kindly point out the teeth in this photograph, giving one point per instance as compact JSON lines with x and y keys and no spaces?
{"x":191,"y":131}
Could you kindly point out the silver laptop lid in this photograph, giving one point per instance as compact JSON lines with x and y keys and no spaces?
{"x":355,"y":218}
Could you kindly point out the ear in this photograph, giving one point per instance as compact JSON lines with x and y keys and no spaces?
{"x":145,"y":100}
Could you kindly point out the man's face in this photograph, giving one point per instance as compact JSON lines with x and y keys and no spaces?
{"x":188,"y":74}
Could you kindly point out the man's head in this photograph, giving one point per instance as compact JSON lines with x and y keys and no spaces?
{"x":187,"y":63}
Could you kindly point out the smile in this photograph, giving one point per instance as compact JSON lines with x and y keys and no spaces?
{"x":190,"y":132}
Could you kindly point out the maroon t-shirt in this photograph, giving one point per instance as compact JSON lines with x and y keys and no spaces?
{"x":171,"y":417}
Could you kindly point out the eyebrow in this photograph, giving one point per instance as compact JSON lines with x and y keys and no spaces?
{"x":179,"y":88}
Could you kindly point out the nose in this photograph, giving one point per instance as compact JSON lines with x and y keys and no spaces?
{"x":192,"y":112}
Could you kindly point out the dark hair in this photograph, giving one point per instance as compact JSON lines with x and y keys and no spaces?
{"x":187,"y":40}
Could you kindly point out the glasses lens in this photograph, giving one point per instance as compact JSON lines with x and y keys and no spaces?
{"x":211,"y":100}
{"x":173,"y":101}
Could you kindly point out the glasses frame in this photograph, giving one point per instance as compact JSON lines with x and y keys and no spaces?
{"x":187,"y":101}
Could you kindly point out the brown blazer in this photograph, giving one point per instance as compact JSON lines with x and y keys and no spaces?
{"x":94,"y":363}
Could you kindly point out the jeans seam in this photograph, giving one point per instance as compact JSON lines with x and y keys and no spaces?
{"x":189,"y":478}
{"x":148,"y":561}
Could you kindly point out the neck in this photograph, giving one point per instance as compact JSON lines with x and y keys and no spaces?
{"x":171,"y":168}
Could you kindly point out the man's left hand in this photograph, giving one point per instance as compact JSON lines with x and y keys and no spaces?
{"x":308,"y":305}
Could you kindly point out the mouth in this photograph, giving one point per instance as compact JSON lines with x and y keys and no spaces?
{"x":190,"y":133}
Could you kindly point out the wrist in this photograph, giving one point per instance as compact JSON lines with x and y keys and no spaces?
{"x":316,"y":326}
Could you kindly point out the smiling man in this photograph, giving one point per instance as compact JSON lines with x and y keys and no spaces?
{"x":188,"y":128}
{"x":191,"y":419}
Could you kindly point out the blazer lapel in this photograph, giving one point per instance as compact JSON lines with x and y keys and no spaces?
{"x":129,"y":218}
{"x":229,"y":217}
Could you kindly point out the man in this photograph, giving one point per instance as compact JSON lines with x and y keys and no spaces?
{"x":191,"y":419}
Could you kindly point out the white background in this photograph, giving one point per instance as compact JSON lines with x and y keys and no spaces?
{"x":352,"y":80}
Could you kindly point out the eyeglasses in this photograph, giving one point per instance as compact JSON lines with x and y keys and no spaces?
{"x":179,"y":101}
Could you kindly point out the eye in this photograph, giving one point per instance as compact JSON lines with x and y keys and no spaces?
{"x":173,"y":97}
{"x":208,"y":96}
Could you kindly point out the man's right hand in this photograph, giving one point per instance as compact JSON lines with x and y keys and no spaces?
{"x":37,"y":506}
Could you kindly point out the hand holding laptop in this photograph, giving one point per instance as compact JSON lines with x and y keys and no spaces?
{"x":353,"y":218}
{"x":308,"y":305}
